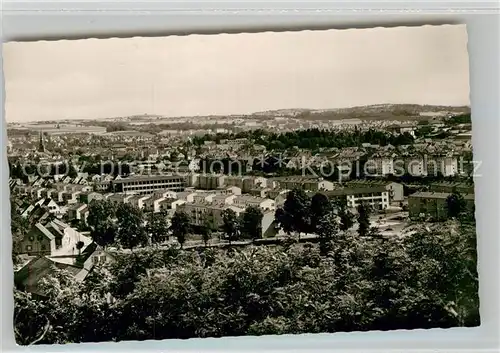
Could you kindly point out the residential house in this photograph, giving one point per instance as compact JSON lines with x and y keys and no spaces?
{"x":224,"y":198}
{"x":260,"y":191}
{"x":77,"y":263}
{"x":120,"y":198}
{"x":40,"y":240}
{"x":169,"y":204}
{"x":204,"y":197}
{"x":402,"y":128}
{"x":230,"y":190}
{"x":138,"y":200}
{"x":433,"y":205}
{"x":88,"y":197}
{"x":153,"y":203}
{"x":51,"y":206}
{"x":70,"y":197}
{"x":78,"y":211}
{"x":187,"y":196}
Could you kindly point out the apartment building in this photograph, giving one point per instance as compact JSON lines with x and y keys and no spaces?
{"x":449,"y":187}
{"x":211,"y":181}
{"x":245,"y":201}
{"x":192,"y":180}
{"x":432,"y":165}
{"x":245,"y":183}
{"x":308,"y":184}
{"x":149,"y":184}
{"x":444,"y":165}
{"x":380,"y":165}
{"x":375,"y":196}
{"x":199,"y":211}
{"x":415,"y":166}
{"x":395,"y":190}
{"x":433,"y":205}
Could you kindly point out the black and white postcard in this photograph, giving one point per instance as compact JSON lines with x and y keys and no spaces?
{"x":241,"y":184}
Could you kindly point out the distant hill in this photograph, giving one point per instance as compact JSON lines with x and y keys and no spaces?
{"x":369,"y":112}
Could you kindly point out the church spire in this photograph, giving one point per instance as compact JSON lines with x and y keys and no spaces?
{"x":41,"y":145}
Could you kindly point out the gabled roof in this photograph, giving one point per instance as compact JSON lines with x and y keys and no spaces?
{"x":44,"y":231}
{"x":30,"y":275}
{"x":47,"y":201}
{"x":55,"y":229}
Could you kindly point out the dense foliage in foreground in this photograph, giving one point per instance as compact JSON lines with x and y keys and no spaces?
{"x":424,"y":280}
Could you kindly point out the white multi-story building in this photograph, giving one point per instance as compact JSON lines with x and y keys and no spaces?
{"x":380,"y":165}
{"x":445,"y":165}
{"x":377,"y":196}
{"x":149,"y":184}
{"x":415,"y":166}
{"x":395,"y":190}
{"x":211,"y":181}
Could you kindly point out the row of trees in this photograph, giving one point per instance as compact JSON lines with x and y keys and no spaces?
{"x":18,"y":170}
{"x":112,"y":223}
{"x":313,"y":138}
{"x":247,"y":225}
{"x":125,"y":224}
{"x":424,"y":280}
{"x":320,"y":215}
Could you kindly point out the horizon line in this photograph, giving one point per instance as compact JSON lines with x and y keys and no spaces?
{"x":237,"y":114}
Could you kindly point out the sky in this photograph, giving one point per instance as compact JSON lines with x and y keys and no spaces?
{"x":235,"y":73}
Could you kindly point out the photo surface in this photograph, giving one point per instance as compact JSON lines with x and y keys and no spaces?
{"x":241,"y":184}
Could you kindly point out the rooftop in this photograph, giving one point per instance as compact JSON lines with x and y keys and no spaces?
{"x":438,"y":195}
{"x":250,"y":198}
{"x":146,"y":178}
{"x":354,"y":191}
{"x":44,"y":231}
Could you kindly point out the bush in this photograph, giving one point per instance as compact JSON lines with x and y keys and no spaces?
{"x":425,"y":280}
